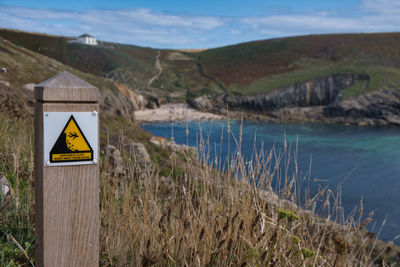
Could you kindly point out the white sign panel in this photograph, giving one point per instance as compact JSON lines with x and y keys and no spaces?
{"x":70,"y":138}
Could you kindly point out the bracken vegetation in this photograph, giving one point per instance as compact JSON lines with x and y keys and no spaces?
{"x":194,"y":215}
{"x":241,"y":69}
{"x":253,"y":67}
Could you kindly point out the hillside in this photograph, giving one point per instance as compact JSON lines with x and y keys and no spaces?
{"x":26,"y":68}
{"x":243,"y":69}
{"x":262,"y":66}
{"x":130,"y":65}
{"x":166,"y":208}
{"x":106,"y":59}
{"x":121,"y":142}
{"x":338,"y":78}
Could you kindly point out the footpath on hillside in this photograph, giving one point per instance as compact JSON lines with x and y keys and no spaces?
{"x":170,"y":112}
{"x":159,"y":68}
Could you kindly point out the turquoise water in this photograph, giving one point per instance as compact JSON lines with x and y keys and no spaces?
{"x":364,"y":161}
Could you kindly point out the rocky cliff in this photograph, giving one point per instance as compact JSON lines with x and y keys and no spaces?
{"x":317,"y":92}
{"x":375,"y":108}
{"x":317,"y":100}
{"x":124,"y":103}
{"x":320,"y":100}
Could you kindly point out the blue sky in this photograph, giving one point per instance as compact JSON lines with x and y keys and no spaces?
{"x":198,"y":24}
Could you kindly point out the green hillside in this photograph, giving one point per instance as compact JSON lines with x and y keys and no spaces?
{"x":242,"y":69}
{"x":262,"y":66}
{"x":122,"y":61}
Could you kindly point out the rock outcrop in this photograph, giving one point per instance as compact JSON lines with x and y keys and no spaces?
{"x":114,"y":160}
{"x":320,"y":100}
{"x":139,"y":152}
{"x":6,"y":193}
{"x":117,"y":105}
{"x":123,"y":103}
{"x":317,"y":92}
{"x":190,"y":151}
{"x":375,"y":108}
{"x":138,"y":101}
{"x":202,"y":103}
{"x":379,"y":108}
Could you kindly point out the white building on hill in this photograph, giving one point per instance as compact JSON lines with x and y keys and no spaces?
{"x":86,"y":39}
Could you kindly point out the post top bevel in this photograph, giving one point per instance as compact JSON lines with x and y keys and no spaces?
{"x":66,"y":87}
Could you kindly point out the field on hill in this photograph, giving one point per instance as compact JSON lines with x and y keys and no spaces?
{"x":125,"y":63}
{"x":263,"y":66}
{"x":243,"y":69}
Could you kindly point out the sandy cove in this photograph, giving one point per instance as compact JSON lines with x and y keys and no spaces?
{"x":169,"y":112}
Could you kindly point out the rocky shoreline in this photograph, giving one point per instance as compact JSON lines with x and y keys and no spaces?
{"x":380,"y":108}
{"x":318,"y":100}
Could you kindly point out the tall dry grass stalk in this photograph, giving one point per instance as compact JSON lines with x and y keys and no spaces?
{"x":195,"y":215}
{"x":17,"y":207}
{"x":199,"y":216}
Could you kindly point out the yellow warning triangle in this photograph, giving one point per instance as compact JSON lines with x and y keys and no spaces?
{"x":74,"y":137}
{"x":71,"y":145}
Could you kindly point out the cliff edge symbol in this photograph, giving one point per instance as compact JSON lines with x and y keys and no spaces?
{"x":71,"y":145}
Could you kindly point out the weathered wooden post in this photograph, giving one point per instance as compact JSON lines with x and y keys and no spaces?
{"x":66,"y":172}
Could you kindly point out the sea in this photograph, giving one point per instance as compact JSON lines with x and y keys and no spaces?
{"x":360,"y":164}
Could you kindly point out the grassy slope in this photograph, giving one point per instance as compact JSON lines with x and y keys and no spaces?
{"x":100,"y":60}
{"x":189,"y":216}
{"x":175,"y":212}
{"x":131,"y":65}
{"x":243,"y":69}
{"x":25,"y":66}
{"x":16,"y":143}
{"x":128,"y":64}
{"x":266,"y":65}
{"x":183,"y":74}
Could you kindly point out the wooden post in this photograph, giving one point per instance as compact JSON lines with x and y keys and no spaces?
{"x":67,"y":188}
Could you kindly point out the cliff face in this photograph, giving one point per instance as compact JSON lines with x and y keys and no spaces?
{"x":380,"y":108}
{"x":320,"y":100}
{"x":376,"y":108}
{"x":322,"y":91}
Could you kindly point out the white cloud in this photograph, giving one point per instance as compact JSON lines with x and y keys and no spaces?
{"x":307,"y":24}
{"x":136,"y":16}
{"x":148,"y":28}
{"x":373,"y":16}
{"x":382,"y":7}
{"x":144,"y":17}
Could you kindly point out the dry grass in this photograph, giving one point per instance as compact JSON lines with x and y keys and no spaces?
{"x":16,"y":211}
{"x":196,"y":216}
{"x":202,"y":217}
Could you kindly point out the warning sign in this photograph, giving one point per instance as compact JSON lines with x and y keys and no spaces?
{"x":70,"y":138}
{"x":71,"y":145}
